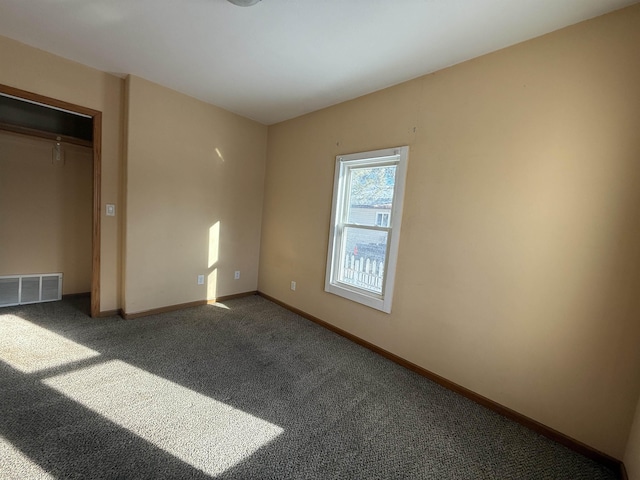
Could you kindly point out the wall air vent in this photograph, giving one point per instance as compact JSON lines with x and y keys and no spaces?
{"x":23,"y":289}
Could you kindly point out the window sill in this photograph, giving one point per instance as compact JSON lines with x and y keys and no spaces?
{"x":370,"y":300}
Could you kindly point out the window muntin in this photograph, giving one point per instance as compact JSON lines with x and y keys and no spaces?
{"x":365,"y":226}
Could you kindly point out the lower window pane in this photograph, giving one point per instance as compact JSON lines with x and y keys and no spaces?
{"x":362,"y":258}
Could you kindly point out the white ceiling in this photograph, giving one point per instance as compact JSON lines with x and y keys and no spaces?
{"x":283,"y":58}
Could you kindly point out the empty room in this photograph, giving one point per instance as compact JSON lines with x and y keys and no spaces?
{"x":320,"y":239}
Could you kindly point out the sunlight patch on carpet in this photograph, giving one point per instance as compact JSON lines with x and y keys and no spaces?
{"x":220,"y":305}
{"x":30,"y":348}
{"x":205,"y":433}
{"x":16,"y":465}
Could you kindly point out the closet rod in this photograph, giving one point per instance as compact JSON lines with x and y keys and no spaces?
{"x":7,"y":127}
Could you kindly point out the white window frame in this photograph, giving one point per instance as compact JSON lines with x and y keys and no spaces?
{"x":339,"y":210}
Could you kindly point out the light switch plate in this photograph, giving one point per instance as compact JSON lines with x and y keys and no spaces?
{"x":111,"y":210}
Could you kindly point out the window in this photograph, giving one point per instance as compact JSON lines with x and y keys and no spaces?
{"x":382,"y":219}
{"x":365,"y":226}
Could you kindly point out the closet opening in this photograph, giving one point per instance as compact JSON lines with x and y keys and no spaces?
{"x":50,"y":177}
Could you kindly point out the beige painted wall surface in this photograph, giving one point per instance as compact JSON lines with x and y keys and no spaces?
{"x":518,"y":263}
{"x":632,"y":454}
{"x":45,"y":211}
{"x":195,"y":182}
{"x":40,"y":72}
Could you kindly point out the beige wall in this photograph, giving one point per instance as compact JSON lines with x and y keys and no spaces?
{"x":45,"y":210}
{"x":632,"y":453}
{"x":520,"y":243}
{"x":194,"y":186}
{"x":40,"y":72}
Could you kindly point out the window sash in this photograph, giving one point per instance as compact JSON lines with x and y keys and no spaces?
{"x":366,"y":227}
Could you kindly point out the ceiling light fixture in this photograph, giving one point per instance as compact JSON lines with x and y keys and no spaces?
{"x":244,"y":3}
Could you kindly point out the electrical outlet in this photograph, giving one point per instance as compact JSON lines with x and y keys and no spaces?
{"x":236,"y":275}
{"x":293,"y":286}
{"x":200,"y":279}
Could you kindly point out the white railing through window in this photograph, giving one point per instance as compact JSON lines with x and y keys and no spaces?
{"x":363,"y":273}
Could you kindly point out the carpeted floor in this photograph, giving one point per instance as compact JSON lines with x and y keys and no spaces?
{"x":250,"y":391}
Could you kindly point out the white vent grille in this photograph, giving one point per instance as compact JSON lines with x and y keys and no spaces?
{"x":22,"y":289}
{"x":51,"y":289}
{"x":9,"y":290}
{"x":30,"y":290}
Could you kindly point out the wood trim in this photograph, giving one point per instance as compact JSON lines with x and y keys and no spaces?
{"x":623,"y":472}
{"x":76,"y":295}
{"x":97,"y":214}
{"x":226,"y":298}
{"x":32,"y":132}
{"x":110,"y":313}
{"x":97,"y":175}
{"x":168,"y":308}
{"x":180,"y":306}
{"x":52,"y":102}
{"x":534,"y":425}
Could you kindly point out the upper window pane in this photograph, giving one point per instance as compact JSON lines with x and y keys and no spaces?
{"x":370,"y":192}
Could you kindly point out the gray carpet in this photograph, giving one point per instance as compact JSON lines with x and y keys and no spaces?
{"x":251,"y":391}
